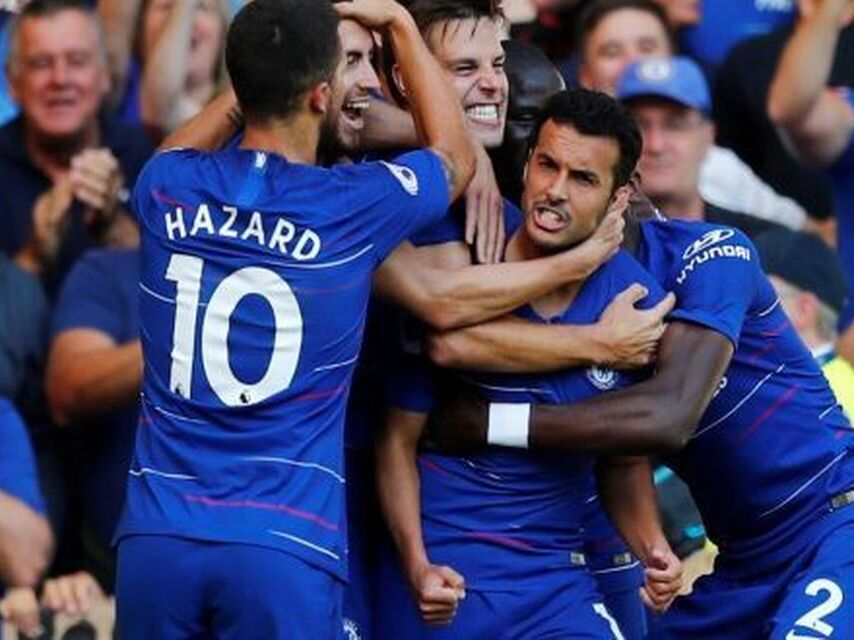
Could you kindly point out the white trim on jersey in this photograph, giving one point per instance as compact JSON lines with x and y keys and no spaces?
{"x":156,"y":295}
{"x":741,"y":402}
{"x":304,"y":543}
{"x":337,"y":365}
{"x":328,"y":265}
{"x":625,"y":567}
{"x":762,"y":314}
{"x":803,"y":487}
{"x":826,"y":411}
{"x":297,"y":463}
{"x":138,"y":473}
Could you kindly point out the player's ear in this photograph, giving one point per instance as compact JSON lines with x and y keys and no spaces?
{"x":319,"y":97}
{"x":398,"y":81}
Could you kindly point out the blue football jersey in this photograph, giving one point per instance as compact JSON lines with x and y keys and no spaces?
{"x":507,"y":510}
{"x":724,"y":24}
{"x":774,"y":446}
{"x":254,"y":281}
{"x":842,"y":181}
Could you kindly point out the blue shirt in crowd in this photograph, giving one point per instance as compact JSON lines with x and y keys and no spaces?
{"x":101,"y":294}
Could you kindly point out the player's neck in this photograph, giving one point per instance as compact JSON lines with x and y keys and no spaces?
{"x":558,"y":300}
{"x":295,"y":139}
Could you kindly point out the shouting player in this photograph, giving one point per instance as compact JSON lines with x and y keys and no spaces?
{"x":506,"y":528}
{"x":256,"y":273}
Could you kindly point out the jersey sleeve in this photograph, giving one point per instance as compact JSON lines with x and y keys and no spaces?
{"x":88,"y":300}
{"x":400,"y":196}
{"x":409,"y":378}
{"x":717,"y":281}
{"x":18,"y":475}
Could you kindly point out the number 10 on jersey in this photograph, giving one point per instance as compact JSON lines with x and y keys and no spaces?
{"x":186,"y":272}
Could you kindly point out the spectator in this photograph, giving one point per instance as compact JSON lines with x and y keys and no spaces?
{"x":25,"y":539}
{"x":740,"y":100}
{"x":670,"y":100}
{"x":93,"y":381}
{"x":176,"y":65}
{"x":615,"y":33}
{"x":709,"y":30}
{"x":817,"y":120}
{"x":60,"y":161}
{"x":809,"y":280}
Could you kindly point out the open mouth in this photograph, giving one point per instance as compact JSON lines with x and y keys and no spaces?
{"x":354,"y":111}
{"x":485,"y":114}
{"x":550,"y":219}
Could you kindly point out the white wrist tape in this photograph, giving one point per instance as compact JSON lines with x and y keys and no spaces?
{"x":508,"y":425}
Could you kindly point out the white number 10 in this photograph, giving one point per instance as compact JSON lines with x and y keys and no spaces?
{"x":186,"y":272}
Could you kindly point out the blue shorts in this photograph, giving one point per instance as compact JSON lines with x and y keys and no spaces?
{"x":619,"y":586}
{"x":179,"y":589}
{"x":363,"y":532}
{"x":810,"y":598}
{"x":562,"y":605}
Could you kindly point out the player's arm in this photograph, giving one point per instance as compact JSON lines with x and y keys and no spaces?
{"x":434,"y":105}
{"x":654,"y":416}
{"x":25,"y":543}
{"x":437,"y":589}
{"x":89,"y":374}
{"x":627,"y":492}
{"x":211,"y":128}
{"x":816,"y":122}
{"x":624,"y":337}
{"x":448,"y":298}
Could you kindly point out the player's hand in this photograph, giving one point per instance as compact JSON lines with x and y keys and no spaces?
{"x":73,"y":594}
{"x":97,"y":181}
{"x":663,"y":579}
{"x":601,"y":246}
{"x":21,"y":608}
{"x":485,"y":211}
{"x":372,"y":14}
{"x":630,"y":336}
{"x":438,"y":591}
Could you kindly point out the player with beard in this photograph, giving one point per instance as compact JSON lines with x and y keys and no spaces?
{"x":743,"y":414}
{"x":504,"y":530}
{"x":533,"y":79}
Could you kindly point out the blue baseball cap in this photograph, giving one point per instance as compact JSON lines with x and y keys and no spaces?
{"x":677,"y":79}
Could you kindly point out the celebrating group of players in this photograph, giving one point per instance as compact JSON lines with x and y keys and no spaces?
{"x":258,"y":267}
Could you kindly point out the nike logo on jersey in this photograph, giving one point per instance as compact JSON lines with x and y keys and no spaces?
{"x":404,"y":175}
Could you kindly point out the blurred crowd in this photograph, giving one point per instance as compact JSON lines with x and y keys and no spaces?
{"x":747,"y":116}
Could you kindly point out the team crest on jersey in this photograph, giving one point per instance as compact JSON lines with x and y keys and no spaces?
{"x":602,"y":378}
{"x":405,"y":176}
{"x":709,"y":239}
{"x":351,"y":630}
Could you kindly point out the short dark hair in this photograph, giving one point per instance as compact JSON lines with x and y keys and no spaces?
{"x":597,"y":10}
{"x":277,"y":50}
{"x":593,"y":113}
{"x":429,"y":13}
{"x":45,"y":9}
